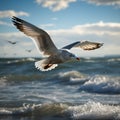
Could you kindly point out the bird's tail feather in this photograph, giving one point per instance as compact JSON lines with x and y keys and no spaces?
{"x":44,"y":67}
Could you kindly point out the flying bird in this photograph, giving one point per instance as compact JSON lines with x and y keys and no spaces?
{"x":46,"y":46}
{"x":29,"y":51}
{"x":11,"y":42}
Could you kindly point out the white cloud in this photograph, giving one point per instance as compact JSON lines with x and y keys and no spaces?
{"x":98,"y":29}
{"x":10,"y":13}
{"x":47,"y":25}
{"x":16,"y":35}
{"x":104,"y":2}
{"x":17,"y":50}
{"x":55,"y":5}
{"x":107,"y":33}
{"x":4,"y":23}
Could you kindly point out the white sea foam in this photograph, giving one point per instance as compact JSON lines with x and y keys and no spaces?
{"x":3,"y":82}
{"x":102,"y":84}
{"x":71,"y":74}
{"x":35,"y":110}
{"x":20,"y":60}
{"x":114,"y":59}
{"x":88,"y":111}
{"x":95,"y":111}
{"x":27,"y":108}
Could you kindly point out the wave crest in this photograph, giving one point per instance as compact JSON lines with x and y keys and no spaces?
{"x":90,"y":110}
{"x":102,"y":84}
{"x":20,"y":60}
{"x":95,"y":111}
{"x":71,"y":74}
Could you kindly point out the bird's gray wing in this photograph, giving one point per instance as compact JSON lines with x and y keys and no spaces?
{"x":41,"y":38}
{"x":12,"y":42}
{"x":85,"y":45}
{"x":70,"y":45}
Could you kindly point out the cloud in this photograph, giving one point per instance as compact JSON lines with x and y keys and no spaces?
{"x":10,"y":13}
{"x":107,"y":33}
{"x":11,"y":35}
{"x":99,"y":29}
{"x":104,"y":2}
{"x":55,"y":5}
{"x":47,"y":25}
{"x":17,"y":50}
{"x":5,"y":23}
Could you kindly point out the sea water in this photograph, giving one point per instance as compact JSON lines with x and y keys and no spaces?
{"x":88,"y":89}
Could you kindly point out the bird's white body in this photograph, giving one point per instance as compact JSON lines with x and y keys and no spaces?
{"x":52,"y":61}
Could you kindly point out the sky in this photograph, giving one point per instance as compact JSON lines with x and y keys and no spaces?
{"x":66,"y":21}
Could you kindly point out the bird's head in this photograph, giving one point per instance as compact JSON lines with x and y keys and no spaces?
{"x":73,"y":57}
{"x":69,"y":56}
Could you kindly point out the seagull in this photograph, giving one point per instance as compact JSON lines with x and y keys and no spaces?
{"x":29,"y":51}
{"x":12,"y":42}
{"x":45,"y":46}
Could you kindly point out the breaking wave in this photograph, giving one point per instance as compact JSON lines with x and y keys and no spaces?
{"x":102,"y":84}
{"x":95,"y":111}
{"x":85,"y":90}
{"x":20,"y":60}
{"x":88,"y":111}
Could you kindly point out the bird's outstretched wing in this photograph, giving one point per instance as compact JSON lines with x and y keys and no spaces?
{"x":12,"y":42}
{"x":85,"y":45}
{"x":41,"y":38}
{"x":70,"y":45}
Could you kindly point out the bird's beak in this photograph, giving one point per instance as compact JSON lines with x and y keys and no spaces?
{"x":77,"y":58}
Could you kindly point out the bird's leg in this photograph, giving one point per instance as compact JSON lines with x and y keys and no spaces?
{"x":47,"y":66}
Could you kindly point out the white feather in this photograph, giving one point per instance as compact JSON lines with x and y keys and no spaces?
{"x":40,"y":65}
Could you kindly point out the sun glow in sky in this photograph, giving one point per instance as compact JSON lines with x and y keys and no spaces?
{"x":66,"y":21}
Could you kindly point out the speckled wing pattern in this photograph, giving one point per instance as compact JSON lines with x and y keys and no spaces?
{"x":85,"y":45}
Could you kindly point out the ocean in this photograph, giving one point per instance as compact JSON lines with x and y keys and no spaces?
{"x":88,"y":89}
